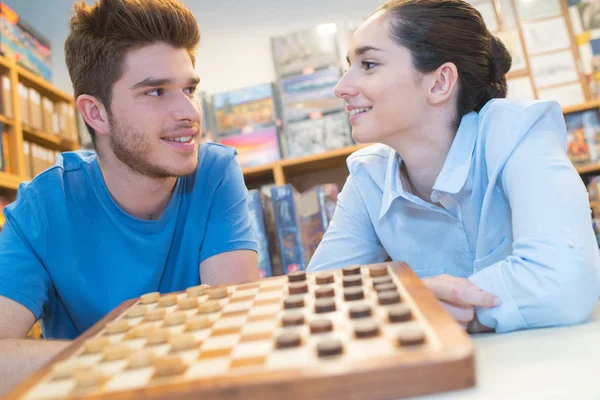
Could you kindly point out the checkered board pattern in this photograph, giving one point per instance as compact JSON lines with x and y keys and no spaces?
{"x":262,"y":334}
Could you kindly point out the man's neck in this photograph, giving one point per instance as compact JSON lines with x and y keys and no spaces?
{"x":138,"y":195}
{"x":423,"y":151}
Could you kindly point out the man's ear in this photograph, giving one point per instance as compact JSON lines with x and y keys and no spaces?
{"x":94,"y":113}
{"x":442,"y":83}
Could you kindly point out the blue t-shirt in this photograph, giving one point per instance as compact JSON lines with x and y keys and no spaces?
{"x":70,"y":254}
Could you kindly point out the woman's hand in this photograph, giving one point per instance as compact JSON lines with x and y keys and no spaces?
{"x":459,"y":296}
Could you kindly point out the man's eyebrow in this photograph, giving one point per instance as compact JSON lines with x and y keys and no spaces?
{"x":158,"y":82}
{"x":362,"y":50}
{"x":152,"y":82}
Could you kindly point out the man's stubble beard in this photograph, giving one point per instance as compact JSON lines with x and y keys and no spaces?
{"x":132,"y":149}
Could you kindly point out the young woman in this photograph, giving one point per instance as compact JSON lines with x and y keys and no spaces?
{"x":476,"y":195}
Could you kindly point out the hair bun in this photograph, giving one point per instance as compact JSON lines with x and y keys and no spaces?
{"x":500,"y":59}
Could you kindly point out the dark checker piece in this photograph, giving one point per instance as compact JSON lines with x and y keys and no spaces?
{"x":353,"y":280}
{"x":297,"y":276}
{"x":399,"y":313}
{"x":293,"y":302}
{"x":324,"y":305}
{"x":366,"y":328}
{"x":360,"y":311}
{"x":354,"y":293}
{"x":324,"y":292}
{"x":298,"y":287}
{"x":388,"y":297}
{"x":321,"y":326}
{"x":411,"y":337}
{"x":293,"y":319}
{"x":331,"y":347}
{"x":382,"y":279}
{"x":351,"y":270}
{"x":288,"y":340}
{"x":379,"y":270}
{"x":382,"y":287}
{"x":324,"y":279}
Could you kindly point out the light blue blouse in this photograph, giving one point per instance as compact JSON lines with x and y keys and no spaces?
{"x":513,"y":217}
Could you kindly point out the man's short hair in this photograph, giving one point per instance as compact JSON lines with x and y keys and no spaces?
{"x":102,"y":34}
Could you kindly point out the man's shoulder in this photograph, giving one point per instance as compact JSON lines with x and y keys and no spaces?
{"x":66,"y":164}
{"x":212,"y":155}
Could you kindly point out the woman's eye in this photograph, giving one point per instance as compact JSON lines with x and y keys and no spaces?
{"x":190,"y":90}
{"x":368,"y":65}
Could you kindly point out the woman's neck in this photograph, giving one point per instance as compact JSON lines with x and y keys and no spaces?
{"x":423,"y":150}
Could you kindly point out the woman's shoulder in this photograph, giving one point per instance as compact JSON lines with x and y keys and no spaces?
{"x":371,"y":155}
{"x":502,"y":125}
{"x":518,"y":110}
{"x":370,"y":163}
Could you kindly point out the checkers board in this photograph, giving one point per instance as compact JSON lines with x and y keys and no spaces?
{"x":368,"y":332}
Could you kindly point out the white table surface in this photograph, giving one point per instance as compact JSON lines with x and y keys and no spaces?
{"x":554,"y":363}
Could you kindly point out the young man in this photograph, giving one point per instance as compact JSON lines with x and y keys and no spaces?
{"x":151,"y":211}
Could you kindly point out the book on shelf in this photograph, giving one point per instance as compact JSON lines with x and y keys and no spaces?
{"x":301,"y":220}
{"x":316,"y":135}
{"x":243,"y":109}
{"x":269,"y":217}
{"x":287,"y":228}
{"x":583,"y":136}
{"x":309,"y":94}
{"x":257,"y":220}
{"x":6,"y":103}
{"x":258,"y":147}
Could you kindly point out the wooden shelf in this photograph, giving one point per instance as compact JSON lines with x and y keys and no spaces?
{"x":586,"y":169}
{"x":10,"y":181}
{"x":6,"y":120}
{"x":284,"y":170}
{"x":581,"y":107}
{"x":258,"y":172}
{"x":47,"y":140}
{"x":316,"y":162}
{"x":45,"y":88}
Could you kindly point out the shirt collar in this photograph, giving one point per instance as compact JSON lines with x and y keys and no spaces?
{"x":392,"y":185}
{"x":456,"y":168}
{"x":453,"y":175}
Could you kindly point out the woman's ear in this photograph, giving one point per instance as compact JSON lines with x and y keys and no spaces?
{"x":443,"y":83}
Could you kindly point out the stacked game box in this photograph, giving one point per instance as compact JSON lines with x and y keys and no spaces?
{"x":247,"y":120}
{"x":308,"y":66}
{"x":260,"y":234}
{"x":315,"y":135}
{"x":24,"y":44}
{"x":301,"y":220}
{"x":311,"y":48}
{"x":583,"y":140}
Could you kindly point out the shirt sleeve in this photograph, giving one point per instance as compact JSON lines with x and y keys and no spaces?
{"x":350,"y":238}
{"x":23,"y":245}
{"x":552,"y":276}
{"x":229,"y":227}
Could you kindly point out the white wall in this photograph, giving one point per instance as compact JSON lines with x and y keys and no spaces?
{"x":235,"y":49}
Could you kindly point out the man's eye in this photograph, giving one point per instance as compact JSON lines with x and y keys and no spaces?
{"x":155,"y":92}
{"x":190,"y":90}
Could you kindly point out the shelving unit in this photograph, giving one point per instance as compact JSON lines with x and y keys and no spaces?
{"x":19,"y":132}
{"x":330,"y":166}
